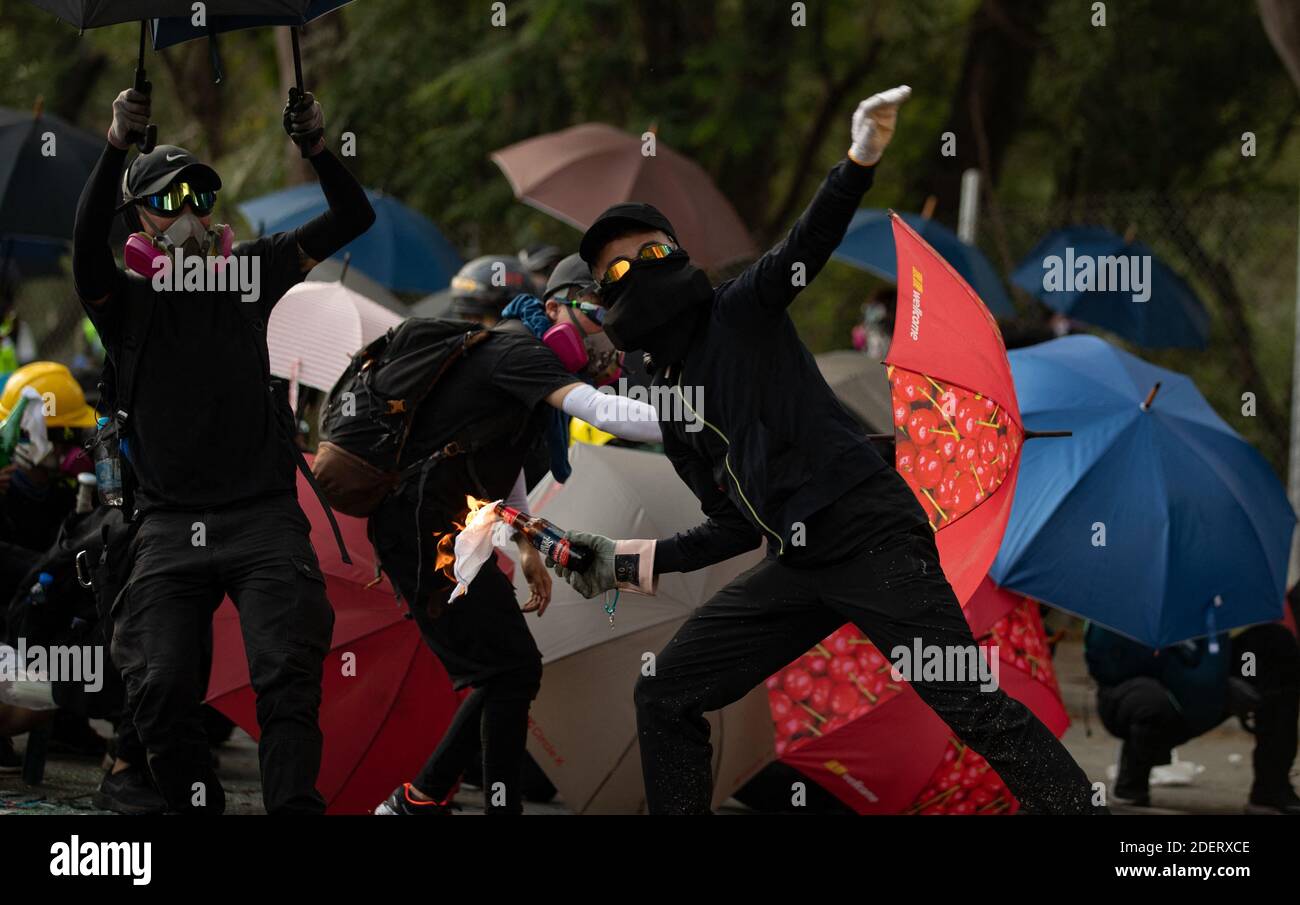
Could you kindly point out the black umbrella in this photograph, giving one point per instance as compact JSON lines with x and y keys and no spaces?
{"x":84,"y":14}
{"x":39,"y":189}
{"x":169,"y":31}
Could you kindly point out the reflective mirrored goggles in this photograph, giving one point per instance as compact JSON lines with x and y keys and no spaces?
{"x":619,"y":267}
{"x":171,"y":199}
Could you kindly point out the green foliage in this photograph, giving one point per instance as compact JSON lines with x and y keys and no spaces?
{"x":1156,"y":101}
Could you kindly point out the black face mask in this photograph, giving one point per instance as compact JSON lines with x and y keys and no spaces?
{"x":657,"y":307}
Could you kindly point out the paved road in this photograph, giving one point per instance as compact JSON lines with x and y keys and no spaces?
{"x":1220,"y":789}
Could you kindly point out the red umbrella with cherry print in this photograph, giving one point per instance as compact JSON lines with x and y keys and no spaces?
{"x":842,"y":720}
{"x":957,"y":423}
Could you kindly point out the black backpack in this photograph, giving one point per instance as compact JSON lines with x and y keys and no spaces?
{"x":86,"y":563}
{"x":368,"y":415}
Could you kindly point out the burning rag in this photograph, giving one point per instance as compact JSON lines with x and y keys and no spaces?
{"x":482,"y":531}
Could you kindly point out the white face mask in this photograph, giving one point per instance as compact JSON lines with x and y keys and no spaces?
{"x":187,"y":233}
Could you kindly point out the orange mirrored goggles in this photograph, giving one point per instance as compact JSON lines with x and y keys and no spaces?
{"x":619,"y":267}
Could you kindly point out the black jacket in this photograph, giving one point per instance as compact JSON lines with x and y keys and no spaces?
{"x":776,"y":445}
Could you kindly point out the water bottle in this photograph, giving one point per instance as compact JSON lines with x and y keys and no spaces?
{"x":108,"y":464}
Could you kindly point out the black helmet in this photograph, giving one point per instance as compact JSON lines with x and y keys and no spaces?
{"x":486,"y":285}
{"x":540,"y":258}
{"x":572,"y":272}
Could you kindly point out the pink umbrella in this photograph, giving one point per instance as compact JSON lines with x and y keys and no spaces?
{"x":316,"y":328}
{"x":576,"y":173}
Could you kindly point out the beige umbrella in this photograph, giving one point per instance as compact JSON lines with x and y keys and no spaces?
{"x":315,"y":329}
{"x":576,"y":173}
{"x":583,"y":731}
{"x":861,"y":386}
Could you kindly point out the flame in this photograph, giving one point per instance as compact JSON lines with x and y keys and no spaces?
{"x":445,"y":549}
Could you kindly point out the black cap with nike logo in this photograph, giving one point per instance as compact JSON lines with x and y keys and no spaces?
{"x":154,"y":171}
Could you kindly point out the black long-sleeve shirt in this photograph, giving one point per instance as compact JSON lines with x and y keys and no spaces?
{"x":772,"y":447}
{"x":203,"y":430}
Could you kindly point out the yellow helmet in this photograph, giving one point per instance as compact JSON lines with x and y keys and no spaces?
{"x":582,"y":432}
{"x":56,"y":384}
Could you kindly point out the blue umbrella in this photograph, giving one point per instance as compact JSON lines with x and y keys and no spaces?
{"x":402,"y":251}
{"x":1172,"y":315}
{"x":1156,"y":519}
{"x":869,"y":244}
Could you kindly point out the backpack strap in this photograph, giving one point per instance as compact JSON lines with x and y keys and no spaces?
{"x":130,"y":349}
{"x":253,"y":318}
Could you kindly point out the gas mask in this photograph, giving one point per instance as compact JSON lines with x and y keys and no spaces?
{"x":186,"y":233}
{"x":589,"y":356}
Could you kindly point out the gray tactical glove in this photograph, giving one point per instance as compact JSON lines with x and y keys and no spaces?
{"x":624,"y":564}
{"x":131,"y":111}
{"x":304,"y":122}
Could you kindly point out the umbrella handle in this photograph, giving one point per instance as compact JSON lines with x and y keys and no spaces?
{"x":296,"y":92}
{"x":149,"y":138}
{"x":296,"y":101}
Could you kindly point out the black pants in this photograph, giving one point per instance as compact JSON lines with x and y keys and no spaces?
{"x":773,"y":613}
{"x":183,"y":564}
{"x":484,"y":643}
{"x":1142,"y":712}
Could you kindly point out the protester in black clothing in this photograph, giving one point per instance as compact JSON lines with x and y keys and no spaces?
{"x":1158,"y":700}
{"x":516,"y":384}
{"x":212,"y":460}
{"x":778,"y":458}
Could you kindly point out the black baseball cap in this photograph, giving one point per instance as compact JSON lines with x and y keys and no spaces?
{"x":153,"y":172}
{"x":618,"y":220}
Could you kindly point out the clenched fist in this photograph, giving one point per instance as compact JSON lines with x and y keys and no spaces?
{"x":873,"y":124}
{"x":131,"y":112}
{"x":304,"y":121}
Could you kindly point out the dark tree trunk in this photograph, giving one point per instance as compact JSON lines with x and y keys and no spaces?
{"x":987,"y":103}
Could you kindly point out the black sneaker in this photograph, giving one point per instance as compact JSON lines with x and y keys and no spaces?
{"x":401,"y":802}
{"x":1283,"y":803}
{"x":10,"y":762}
{"x":129,"y":792}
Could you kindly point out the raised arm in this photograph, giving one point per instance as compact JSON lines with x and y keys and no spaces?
{"x":777,"y":277}
{"x":94,"y":271}
{"x":350,"y":213}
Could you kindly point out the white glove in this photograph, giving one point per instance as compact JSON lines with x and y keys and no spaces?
{"x":873,"y":124}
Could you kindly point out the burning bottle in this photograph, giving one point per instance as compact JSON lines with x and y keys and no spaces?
{"x":548,"y":540}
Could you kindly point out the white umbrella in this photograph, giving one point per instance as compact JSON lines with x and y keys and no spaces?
{"x":583,"y":731}
{"x":316,"y":328}
{"x":332,"y":270}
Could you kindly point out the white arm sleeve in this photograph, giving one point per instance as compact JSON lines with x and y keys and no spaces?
{"x":518,"y":496}
{"x":618,"y":415}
